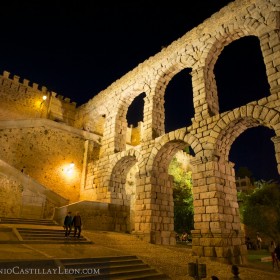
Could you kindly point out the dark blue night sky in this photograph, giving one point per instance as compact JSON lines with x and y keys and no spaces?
{"x":78,"y":48}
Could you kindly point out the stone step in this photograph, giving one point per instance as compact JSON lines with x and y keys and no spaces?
{"x":113,"y":268}
{"x":48,"y":235}
{"x":40,"y":230}
{"x":102,"y":263}
{"x":125,"y":274}
{"x":98,"y":259}
{"x":7,"y":220}
{"x":119,"y":267}
{"x":153,"y":276}
{"x":36,"y":237}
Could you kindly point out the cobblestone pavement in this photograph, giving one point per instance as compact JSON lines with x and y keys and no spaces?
{"x":170,"y":260}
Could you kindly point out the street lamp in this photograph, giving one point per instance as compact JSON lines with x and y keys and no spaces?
{"x":44,"y":99}
{"x":41,"y":104}
{"x":70,"y":169}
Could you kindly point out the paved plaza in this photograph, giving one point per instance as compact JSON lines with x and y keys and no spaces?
{"x":168,"y":259}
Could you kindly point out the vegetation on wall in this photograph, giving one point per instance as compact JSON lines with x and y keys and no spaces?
{"x":182,"y":196}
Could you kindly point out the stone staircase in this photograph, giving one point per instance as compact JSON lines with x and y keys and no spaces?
{"x":34,"y":231}
{"x":31,"y":231}
{"x":113,"y":268}
{"x":105,"y":268}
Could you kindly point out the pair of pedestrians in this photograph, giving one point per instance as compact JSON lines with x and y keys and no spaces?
{"x":75,"y":221}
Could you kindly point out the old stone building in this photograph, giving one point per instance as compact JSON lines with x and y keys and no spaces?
{"x":55,"y":155}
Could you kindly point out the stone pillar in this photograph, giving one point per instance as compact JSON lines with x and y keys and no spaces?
{"x":276,"y":141}
{"x":217,"y":232}
{"x":114,"y":137}
{"x":205,"y":93}
{"x":270,"y":46}
{"x":153,"y":124}
{"x":154,"y":209}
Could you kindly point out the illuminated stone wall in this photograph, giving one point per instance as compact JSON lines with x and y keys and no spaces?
{"x":45,"y":152}
{"x":218,"y":233}
{"x":19,"y":100}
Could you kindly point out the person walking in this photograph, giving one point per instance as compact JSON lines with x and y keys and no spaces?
{"x":235,"y":272}
{"x":277,"y":251}
{"x":271,"y":250}
{"x":259,"y":242}
{"x":67,"y":224}
{"x":77,"y":222}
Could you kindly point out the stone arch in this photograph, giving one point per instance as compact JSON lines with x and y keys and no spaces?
{"x":213,"y":47}
{"x":156,"y":100}
{"x":232,"y":124}
{"x":161,"y":192}
{"x":129,"y":153}
{"x":157,"y":210}
{"x":179,"y":135}
{"x":117,"y":181}
{"x":126,"y":100}
{"x":167,"y":73}
{"x":135,"y":112}
{"x":183,"y":59}
{"x":116,"y":123}
{"x":123,"y":183}
{"x":121,"y":166}
{"x":165,"y":154}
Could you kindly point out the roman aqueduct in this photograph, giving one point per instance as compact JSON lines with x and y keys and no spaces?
{"x":38,"y":136}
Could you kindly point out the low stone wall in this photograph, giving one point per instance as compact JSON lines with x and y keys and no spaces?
{"x":22,"y":196}
{"x":97,"y":215}
{"x":10,"y":197}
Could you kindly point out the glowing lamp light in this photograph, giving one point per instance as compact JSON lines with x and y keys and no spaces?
{"x":70,"y":169}
{"x":42,"y":102}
